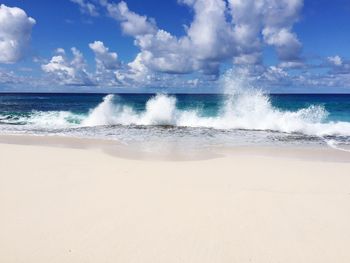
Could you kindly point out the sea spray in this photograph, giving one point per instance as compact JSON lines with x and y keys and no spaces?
{"x":247,"y":107}
{"x":160,"y":110}
{"x":242,"y":107}
{"x":103,"y":114}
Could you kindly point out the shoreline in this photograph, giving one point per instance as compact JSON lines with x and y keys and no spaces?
{"x":175,"y":153}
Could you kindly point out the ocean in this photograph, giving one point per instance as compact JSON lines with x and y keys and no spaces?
{"x":187,"y":120}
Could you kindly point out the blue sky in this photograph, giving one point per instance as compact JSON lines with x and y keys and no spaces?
{"x":174,"y":45}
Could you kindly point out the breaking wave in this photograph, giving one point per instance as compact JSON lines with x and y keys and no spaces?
{"x":43,"y":119}
{"x":249,"y":110}
{"x":244,"y":108}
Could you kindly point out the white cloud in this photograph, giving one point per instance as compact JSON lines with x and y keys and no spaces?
{"x":220,"y":31}
{"x":104,"y":59}
{"x":248,"y":59}
{"x":107,"y":64}
{"x":287,"y":44}
{"x":74,"y":70}
{"x":137,"y":71}
{"x":15,"y":33}
{"x":60,"y":51}
{"x":69,"y":72}
{"x":207,"y":42}
{"x":275,"y":75}
{"x":335,"y":60}
{"x":210,"y":33}
{"x":337,"y":65}
{"x":247,"y":16}
{"x":132,"y":24}
{"x":292,"y":64}
{"x":86,"y":7}
{"x":273,"y":19}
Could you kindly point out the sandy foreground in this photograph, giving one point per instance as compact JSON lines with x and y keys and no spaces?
{"x":76,"y":204}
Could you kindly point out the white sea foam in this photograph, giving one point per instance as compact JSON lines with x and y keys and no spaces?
{"x":52,"y":119}
{"x":44,"y":119}
{"x":336,"y":145}
{"x":160,"y":110}
{"x":244,"y":108}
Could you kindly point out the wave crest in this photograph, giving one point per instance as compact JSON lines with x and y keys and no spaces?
{"x":244,"y":107}
{"x":252,"y":111}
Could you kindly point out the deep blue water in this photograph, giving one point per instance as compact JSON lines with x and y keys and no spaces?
{"x":213,"y":119}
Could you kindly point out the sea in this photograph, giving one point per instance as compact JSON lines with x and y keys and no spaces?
{"x":239,"y":118}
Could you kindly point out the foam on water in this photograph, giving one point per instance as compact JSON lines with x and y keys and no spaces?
{"x":244,"y":108}
{"x":160,"y":110}
{"x":44,"y":119}
{"x":338,"y":145}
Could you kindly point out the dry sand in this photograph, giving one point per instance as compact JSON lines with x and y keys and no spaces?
{"x":61,"y":204}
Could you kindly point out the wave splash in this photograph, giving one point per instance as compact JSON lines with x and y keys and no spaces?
{"x":244,"y":107}
{"x":160,"y":110}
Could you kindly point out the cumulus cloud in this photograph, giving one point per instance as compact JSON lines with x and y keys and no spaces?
{"x":132,"y":24}
{"x":107,"y":64}
{"x":337,"y":65}
{"x":275,"y":75}
{"x":221,"y":31}
{"x":205,"y":44}
{"x":247,"y":16}
{"x":110,"y":72}
{"x":279,"y":19}
{"x":136,"y":70}
{"x":69,"y":72}
{"x":335,"y":60}
{"x":104,"y":59}
{"x":73,"y":70}
{"x":274,"y":20}
{"x":15,"y":33}
{"x":210,"y":34}
{"x":287,"y":44}
{"x":86,"y":7}
{"x":60,"y":51}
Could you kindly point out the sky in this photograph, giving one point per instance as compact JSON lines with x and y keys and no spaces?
{"x":177,"y":46}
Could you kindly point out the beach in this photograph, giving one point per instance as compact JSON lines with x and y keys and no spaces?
{"x":188,"y":131}
{"x":70,"y":200}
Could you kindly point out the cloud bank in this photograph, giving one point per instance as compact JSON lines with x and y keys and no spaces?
{"x":221,"y":31}
{"x":221,"y":34}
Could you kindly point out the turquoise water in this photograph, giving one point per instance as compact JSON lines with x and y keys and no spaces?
{"x":231,"y":119}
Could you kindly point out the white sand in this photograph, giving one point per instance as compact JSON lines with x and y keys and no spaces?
{"x":82,"y":205}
